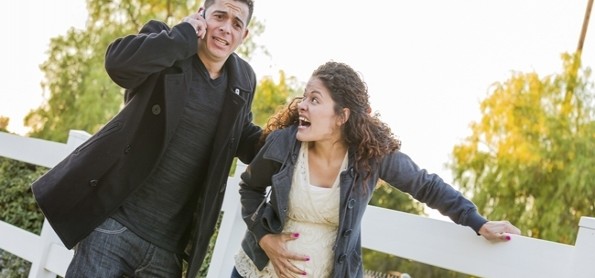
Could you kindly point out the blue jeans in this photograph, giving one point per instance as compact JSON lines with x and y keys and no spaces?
{"x":111,"y":250}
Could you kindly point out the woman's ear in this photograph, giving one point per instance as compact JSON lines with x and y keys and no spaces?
{"x":345,"y":115}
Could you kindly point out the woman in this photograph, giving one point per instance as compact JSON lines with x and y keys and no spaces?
{"x":322,"y":158}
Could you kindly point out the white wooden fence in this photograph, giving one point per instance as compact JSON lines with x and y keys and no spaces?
{"x":426,"y":240}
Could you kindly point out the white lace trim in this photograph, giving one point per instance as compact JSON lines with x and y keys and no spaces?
{"x":247,"y":269}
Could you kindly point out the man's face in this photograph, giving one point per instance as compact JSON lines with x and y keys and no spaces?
{"x":226,"y":28}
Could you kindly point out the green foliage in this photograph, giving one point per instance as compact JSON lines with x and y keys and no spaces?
{"x":531,"y":157}
{"x":82,"y":96}
{"x":17,"y":205}
{"x":18,"y":208}
{"x":270,"y":96}
{"x":389,"y":197}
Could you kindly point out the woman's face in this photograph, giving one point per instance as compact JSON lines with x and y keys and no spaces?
{"x":318,"y":121}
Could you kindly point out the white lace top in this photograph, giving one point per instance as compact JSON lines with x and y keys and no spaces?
{"x":314,"y":214}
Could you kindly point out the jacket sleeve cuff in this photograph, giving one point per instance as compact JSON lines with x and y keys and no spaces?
{"x":476,"y":221}
{"x":258,"y":231}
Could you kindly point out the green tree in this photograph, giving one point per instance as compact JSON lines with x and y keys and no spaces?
{"x":80,"y":93}
{"x":531,"y":157}
{"x":271,"y":96}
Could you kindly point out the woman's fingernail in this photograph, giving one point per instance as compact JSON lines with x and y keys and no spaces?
{"x":307,"y":258}
{"x":507,"y":237}
{"x":304,"y":273}
{"x":296,"y":235}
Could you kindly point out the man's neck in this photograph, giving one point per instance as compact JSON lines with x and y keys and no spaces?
{"x":213,"y":67}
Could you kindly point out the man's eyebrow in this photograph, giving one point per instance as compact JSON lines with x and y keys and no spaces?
{"x":227,"y":13}
{"x":240,"y":21}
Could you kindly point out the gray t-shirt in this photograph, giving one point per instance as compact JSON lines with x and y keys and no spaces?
{"x":161,"y":210}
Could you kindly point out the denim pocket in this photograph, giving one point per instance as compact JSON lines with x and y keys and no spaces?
{"x":111,"y":226}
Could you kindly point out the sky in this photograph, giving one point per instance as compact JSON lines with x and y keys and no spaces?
{"x":427,"y":63}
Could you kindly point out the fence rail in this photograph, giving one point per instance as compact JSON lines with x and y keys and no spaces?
{"x":426,"y":240}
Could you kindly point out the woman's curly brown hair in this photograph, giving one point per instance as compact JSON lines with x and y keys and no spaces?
{"x":363,"y":132}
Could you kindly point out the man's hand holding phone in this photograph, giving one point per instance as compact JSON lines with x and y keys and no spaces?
{"x":198,"y":21}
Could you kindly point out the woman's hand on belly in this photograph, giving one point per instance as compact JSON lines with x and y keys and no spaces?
{"x":275,"y":246}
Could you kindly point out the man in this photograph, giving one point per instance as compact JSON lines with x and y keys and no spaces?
{"x":145,"y":191}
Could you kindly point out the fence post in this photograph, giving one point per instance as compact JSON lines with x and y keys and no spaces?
{"x":231,"y":230}
{"x":75,"y":138}
{"x":48,"y":237}
{"x":584,"y":254}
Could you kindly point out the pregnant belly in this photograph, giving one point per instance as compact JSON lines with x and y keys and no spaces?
{"x":315,"y":241}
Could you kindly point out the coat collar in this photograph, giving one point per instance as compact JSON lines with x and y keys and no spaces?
{"x":239,"y":72}
{"x":283,"y":145}
{"x":284,"y":141}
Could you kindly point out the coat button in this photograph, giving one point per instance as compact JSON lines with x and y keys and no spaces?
{"x":93,"y":183}
{"x":347,"y":233}
{"x":351,"y":203}
{"x":127,"y":149}
{"x":156,"y":109}
{"x":341,"y":258}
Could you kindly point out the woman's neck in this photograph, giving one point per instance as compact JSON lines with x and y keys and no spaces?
{"x":328,"y":153}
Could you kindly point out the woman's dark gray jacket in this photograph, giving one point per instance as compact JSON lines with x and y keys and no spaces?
{"x":81,"y":191}
{"x":273,"y":166}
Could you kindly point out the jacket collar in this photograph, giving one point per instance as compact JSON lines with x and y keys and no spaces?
{"x":285,"y":142}
{"x":283,"y":145}
{"x":239,"y":73}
